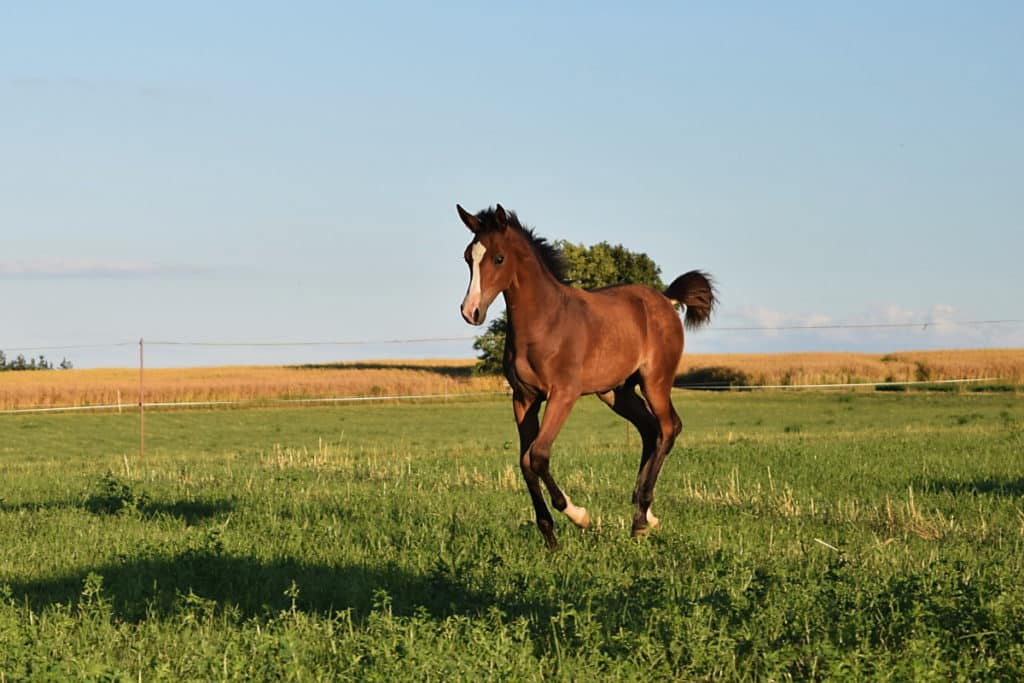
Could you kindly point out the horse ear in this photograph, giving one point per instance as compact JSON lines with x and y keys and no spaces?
{"x":469,"y":219}
{"x":500,"y":216}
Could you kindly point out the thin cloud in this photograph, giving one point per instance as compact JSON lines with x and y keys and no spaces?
{"x":756,"y":329}
{"x":83,"y":85}
{"x":91,"y":268}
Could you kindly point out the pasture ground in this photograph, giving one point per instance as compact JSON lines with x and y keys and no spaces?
{"x":805,"y":535}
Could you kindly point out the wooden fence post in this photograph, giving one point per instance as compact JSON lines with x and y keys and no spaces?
{"x":142,"y":403}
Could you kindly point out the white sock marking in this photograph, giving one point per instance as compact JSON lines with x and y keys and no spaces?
{"x":579,"y":516}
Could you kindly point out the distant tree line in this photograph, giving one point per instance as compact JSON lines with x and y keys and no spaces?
{"x":40,"y":363}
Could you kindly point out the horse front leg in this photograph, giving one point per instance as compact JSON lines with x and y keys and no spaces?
{"x":527,"y":410}
{"x":559,"y":406}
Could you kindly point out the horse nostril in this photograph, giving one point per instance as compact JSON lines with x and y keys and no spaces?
{"x":476,"y":314}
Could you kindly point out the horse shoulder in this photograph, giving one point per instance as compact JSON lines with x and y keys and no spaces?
{"x":524,"y":366}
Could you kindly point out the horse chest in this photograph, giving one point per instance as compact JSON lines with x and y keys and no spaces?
{"x":522,"y":374}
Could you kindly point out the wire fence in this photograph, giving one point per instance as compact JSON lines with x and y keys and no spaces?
{"x":254,"y":402}
{"x":142,"y":404}
{"x":269,"y":401}
{"x":833,"y":385}
{"x":919,"y":325}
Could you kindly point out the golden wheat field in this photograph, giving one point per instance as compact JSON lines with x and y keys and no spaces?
{"x":27,"y":389}
{"x":19,"y":390}
{"x":1006,"y":365}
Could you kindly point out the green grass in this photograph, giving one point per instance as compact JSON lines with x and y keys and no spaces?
{"x":807,"y":535}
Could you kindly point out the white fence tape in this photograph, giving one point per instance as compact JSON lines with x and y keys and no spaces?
{"x":252,"y":402}
{"x":257,"y":402}
{"x":749,"y":387}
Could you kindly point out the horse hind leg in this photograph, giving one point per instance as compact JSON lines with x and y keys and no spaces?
{"x":628,"y":404}
{"x":659,"y":398}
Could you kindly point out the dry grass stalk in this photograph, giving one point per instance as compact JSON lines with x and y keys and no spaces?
{"x":908,"y":518}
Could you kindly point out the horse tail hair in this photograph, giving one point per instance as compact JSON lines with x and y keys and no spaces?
{"x":696,"y":291}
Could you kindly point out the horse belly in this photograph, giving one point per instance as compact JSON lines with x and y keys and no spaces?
{"x":603,"y":372}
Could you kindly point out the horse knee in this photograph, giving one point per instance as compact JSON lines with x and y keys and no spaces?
{"x":538,"y":457}
{"x":525,"y":461}
{"x":669,"y":434}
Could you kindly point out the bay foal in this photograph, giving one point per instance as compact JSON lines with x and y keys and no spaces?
{"x":563,"y":342}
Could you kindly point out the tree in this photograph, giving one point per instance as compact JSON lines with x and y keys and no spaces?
{"x":602,"y":264}
{"x":598,"y":265}
{"x":21,"y":363}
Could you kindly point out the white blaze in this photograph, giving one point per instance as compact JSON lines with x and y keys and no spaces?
{"x":472,"y":299}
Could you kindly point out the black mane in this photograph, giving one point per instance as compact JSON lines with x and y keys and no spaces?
{"x":549,"y":254}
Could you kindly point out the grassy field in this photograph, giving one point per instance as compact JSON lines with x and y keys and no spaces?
{"x":808,"y":535}
{"x":21,"y":390}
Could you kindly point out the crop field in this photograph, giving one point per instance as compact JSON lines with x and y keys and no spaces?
{"x":113,"y":386}
{"x":805,"y":535}
{"x":1006,"y":365}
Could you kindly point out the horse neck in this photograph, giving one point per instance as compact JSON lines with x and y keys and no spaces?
{"x":533,"y":298}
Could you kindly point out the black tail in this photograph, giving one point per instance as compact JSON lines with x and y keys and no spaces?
{"x":696,"y":291}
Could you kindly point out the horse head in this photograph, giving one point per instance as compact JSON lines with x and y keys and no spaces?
{"x":491,"y":258}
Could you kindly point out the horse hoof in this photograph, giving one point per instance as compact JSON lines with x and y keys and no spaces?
{"x":580,"y":517}
{"x":577,"y":515}
{"x":651,"y":524}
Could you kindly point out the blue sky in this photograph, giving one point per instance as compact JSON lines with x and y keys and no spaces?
{"x":262,"y":172}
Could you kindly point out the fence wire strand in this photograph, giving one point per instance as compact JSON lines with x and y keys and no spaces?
{"x":922,"y":325}
{"x":141,"y":405}
{"x":132,"y":407}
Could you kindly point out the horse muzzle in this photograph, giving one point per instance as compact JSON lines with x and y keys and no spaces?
{"x":472,"y":314}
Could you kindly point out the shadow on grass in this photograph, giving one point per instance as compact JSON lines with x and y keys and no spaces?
{"x":992,"y":486}
{"x":250,"y":587}
{"x":459,"y":371}
{"x":191,"y":512}
{"x":713,"y":378}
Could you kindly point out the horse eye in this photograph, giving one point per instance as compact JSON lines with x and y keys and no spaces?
{"x":498,"y":260}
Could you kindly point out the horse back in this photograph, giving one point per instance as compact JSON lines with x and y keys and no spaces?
{"x":628,"y":327}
